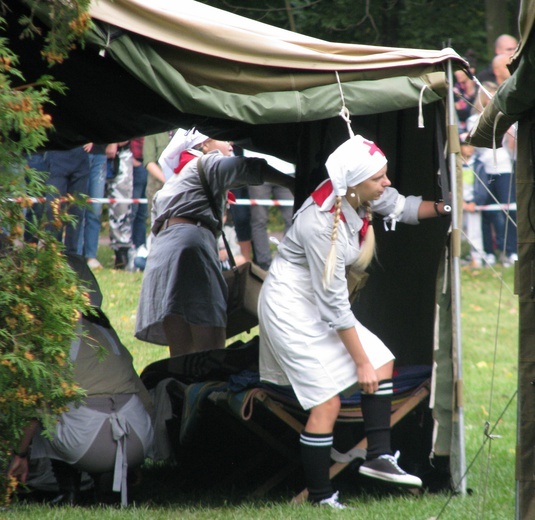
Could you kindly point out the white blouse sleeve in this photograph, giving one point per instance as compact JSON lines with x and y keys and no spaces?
{"x":397,"y":208}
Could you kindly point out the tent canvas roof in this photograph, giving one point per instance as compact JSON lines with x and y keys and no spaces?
{"x":236,"y":68}
{"x":214,"y":32}
{"x":183,"y":63}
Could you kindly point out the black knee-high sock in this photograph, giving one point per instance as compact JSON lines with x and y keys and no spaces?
{"x":376,"y":411}
{"x":316,"y":460}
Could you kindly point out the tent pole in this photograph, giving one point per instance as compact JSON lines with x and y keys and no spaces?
{"x":460,"y":478}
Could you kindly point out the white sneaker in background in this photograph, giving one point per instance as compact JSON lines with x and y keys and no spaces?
{"x":93,"y":263}
{"x":331,"y":502}
{"x":508,"y":261}
{"x":141,"y":257}
{"x":490,"y":259}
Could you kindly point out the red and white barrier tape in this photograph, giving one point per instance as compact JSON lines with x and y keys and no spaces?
{"x":118,"y":201}
{"x":265,"y":202}
{"x":497,"y":207}
{"x":268,"y":202}
{"x":287,"y":202}
{"x":241,"y":202}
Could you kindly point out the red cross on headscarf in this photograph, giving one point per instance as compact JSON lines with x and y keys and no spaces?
{"x":373,"y":147}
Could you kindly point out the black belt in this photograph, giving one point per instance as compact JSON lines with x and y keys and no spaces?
{"x":182,"y":220}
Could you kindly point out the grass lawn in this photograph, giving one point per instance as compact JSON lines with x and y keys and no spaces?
{"x":490,"y":349}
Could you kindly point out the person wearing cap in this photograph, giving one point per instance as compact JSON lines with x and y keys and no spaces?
{"x":172,"y":157}
{"x":183,"y":294}
{"x":309,"y":336}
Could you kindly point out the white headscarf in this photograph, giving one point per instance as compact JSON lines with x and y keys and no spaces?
{"x":182,"y":140}
{"x":350,"y":164}
{"x":354,"y":161}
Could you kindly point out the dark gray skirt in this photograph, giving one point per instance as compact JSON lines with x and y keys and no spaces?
{"x":182,"y":276}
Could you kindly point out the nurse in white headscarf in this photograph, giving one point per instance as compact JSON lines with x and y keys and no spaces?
{"x":182,"y":141}
{"x":309,"y":336}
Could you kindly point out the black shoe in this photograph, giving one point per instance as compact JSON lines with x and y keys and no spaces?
{"x":385,"y":468}
{"x":65,"y":499}
{"x":68,"y":479}
{"x":121,"y":258}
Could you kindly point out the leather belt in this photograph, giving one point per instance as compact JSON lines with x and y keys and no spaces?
{"x":182,"y":220}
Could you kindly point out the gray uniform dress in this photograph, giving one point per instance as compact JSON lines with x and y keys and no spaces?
{"x":183,"y":272}
{"x":299,"y":318}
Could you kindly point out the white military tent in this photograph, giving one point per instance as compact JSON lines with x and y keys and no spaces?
{"x":153,"y":65}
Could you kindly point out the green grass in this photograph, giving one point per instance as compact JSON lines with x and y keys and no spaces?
{"x":490,"y":350}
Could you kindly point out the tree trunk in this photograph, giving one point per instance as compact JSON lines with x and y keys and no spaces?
{"x":496,"y":22}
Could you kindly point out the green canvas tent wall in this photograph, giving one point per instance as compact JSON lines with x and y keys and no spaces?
{"x":515,"y":102}
{"x":153,"y":65}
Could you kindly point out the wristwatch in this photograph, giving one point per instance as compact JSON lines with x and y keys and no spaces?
{"x":446,"y":208}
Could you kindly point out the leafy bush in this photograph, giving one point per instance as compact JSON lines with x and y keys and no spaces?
{"x":40,"y":297}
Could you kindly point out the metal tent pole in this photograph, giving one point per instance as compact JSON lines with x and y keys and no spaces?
{"x":460,"y":482}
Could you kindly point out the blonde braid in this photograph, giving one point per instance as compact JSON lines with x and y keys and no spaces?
{"x":330,"y":262}
{"x":367,"y":251}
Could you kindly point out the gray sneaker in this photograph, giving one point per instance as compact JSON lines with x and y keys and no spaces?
{"x":331,"y":502}
{"x":386,"y":468}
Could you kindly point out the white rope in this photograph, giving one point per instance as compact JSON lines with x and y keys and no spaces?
{"x":102,"y":52}
{"x":494,"y":154}
{"x":420,"y":108}
{"x":344,"y":112}
{"x":478,"y":83}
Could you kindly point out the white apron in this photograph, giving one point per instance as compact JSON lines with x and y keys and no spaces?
{"x":297,"y":347}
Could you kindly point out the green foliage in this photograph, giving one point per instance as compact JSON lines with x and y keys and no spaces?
{"x":416,"y":29}
{"x":39,"y":306}
{"x":40,"y":297}
{"x":68,"y":22}
{"x":40,"y":302}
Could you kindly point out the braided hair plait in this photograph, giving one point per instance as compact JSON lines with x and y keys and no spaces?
{"x":330,"y":262}
{"x":367,"y":251}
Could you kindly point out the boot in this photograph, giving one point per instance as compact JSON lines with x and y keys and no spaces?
{"x":68,"y":479}
{"x":102,"y":490}
{"x":121,"y":257}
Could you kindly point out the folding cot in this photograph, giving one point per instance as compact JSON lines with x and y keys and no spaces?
{"x":229,"y":380}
